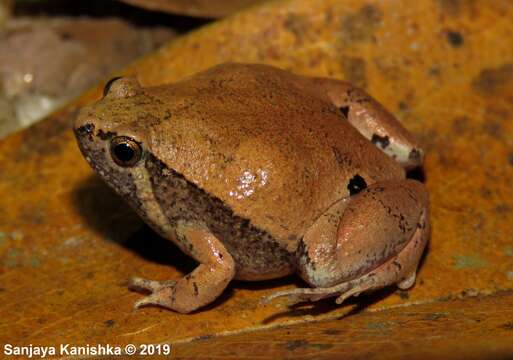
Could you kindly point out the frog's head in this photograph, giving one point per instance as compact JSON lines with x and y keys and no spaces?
{"x":111,"y":136}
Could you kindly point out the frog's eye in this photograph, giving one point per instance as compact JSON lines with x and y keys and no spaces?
{"x":125,"y":151}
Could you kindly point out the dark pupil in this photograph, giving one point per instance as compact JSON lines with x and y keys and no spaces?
{"x":356,"y":184}
{"x":124,"y":152}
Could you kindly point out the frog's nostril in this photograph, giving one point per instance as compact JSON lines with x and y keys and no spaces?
{"x":85,"y":129}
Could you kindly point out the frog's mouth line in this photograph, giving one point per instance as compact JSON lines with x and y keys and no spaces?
{"x":83,"y":131}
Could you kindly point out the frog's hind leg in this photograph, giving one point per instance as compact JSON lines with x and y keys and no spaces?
{"x":369,"y":241}
{"x":200,"y":287}
{"x":373,"y":121}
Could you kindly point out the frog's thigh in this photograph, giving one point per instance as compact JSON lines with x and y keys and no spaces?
{"x":201,"y":286}
{"x":377,"y":241}
{"x":373,"y":121}
{"x":400,"y":269}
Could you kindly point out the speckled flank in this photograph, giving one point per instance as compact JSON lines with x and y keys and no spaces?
{"x":257,"y":255}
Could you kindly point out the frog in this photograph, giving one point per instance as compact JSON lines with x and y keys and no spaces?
{"x":258,"y":173}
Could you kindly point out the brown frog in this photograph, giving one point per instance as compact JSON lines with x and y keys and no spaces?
{"x":258,"y":173}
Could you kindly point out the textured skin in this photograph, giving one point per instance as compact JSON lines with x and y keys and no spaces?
{"x":244,"y":133}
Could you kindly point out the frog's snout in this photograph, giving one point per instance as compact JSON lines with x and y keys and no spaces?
{"x":84,"y":130}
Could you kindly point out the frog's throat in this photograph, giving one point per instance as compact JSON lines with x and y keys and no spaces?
{"x":151,"y":211}
{"x":148,"y":202}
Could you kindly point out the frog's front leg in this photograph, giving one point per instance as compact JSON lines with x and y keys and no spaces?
{"x":368,"y":241}
{"x":201,"y":286}
{"x":373,"y":121}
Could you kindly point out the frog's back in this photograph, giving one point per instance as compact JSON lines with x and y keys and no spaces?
{"x":263,"y":146}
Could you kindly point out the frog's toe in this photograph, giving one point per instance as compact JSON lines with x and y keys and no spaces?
{"x":408,"y":282}
{"x":155,"y":299}
{"x":162,"y":292}
{"x":146,"y":301}
{"x":145,"y":285}
{"x":307,"y":294}
{"x":354,"y":291}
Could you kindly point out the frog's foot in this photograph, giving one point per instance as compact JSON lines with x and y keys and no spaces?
{"x":387,"y":273}
{"x":198,"y":288}
{"x":145,"y":285}
{"x":373,"y":121}
{"x":368,"y":241}
{"x":307,"y":294}
{"x":159,"y":290}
